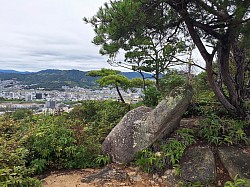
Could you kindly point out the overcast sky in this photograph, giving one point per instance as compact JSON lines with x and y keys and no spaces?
{"x":48,"y":34}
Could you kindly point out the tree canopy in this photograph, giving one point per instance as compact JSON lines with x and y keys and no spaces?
{"x":121,"y":25}
{"x":112,"y":78}
{"x":219,"y":29}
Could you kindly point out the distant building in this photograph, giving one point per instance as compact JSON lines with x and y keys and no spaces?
{"x":50,"y":104}
{"x":28,"y":97}
{"x":39,"y":95}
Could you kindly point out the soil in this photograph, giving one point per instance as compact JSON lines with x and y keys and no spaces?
{"x":72,"y":178}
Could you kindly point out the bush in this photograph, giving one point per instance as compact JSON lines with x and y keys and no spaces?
{"x":171,"y":81}
{"x":100,"y":117}
{"x":21,"y":114}
{"x":54,"y":141}
{"x":151,"y":96}
{"x":222,"y":131}
{"x":32,"y":144}
{"x":168,"y":155}
{"x":14,"y":154}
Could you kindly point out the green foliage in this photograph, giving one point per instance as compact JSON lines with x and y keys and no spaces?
{"x":169,"y":154}
{"x":111,"y":78}
{"x":151,"y":96}
{"x":114,"y":81}
{"x":177,"y":169}
{"x":237,"y":182}
{"x":39,"y":165}
{"x":14,"y":154}
{"x":149,"y":161}
{"x":31,"y":145}
{"x":21,"y":114}
{"x":175,"y":150}
{"x":101,"y":116}
{"x":120,"y":25}
{"x":103,"y":160}
{"x":192,"y":184}
{"x":152,"y":35}
{"x":171,"y":81}
{"x":223,"y":131}
{"x":54,"y":140}
{"x":187,"y":136}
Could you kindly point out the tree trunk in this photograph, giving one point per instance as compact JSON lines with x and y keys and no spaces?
{"x":144,"y":82}
{"x":239,"y":56}
{"x":234,"y":102}
{"x":157,"y":83}
{"x":208,"y":59}
{"x":119,"y":93}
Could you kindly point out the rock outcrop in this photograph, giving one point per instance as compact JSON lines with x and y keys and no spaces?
{"x":236,"y":161}
{"x":140,"y":127}
{"x":198,"y":165}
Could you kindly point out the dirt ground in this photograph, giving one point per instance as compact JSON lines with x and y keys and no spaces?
{"x":73,"y":178}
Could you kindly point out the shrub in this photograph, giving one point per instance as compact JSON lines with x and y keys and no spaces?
{"x":100,"y":117}
{"x":149,"y":161}
{"x":222,"y":131}
{"x":13,"y":156}
{"x":21,"y":114}
{"x":54,"y":141}
{"x":187,"y":136}
{"x":33,"y":144}
{"x":151,"y":96}
{"x":169,"y":154}
{"x":103,"y":160}
{"x":237,"y":182}
{"x":171,"y":81}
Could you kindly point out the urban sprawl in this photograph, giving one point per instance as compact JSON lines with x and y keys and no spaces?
{"x":16,"y":96}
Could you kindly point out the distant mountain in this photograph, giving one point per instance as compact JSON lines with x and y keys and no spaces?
{"x":132,"y":75}
{"x":55,"y":79}
{"x":13,"y":71}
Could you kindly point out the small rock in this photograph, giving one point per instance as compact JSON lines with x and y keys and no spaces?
{"x":160,"y":180}
{"x":170,"y":179}
{"x":44,"y":182}
{"x":155,"y":176}
{"x":135,"y":178}
{"x":131,"y":173}
{"x":106,"y":174}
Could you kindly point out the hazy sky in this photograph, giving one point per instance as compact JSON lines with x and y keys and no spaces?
{"x":48,"y":34}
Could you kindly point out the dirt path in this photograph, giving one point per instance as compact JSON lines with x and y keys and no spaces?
{"x":73,"y":178}
{"x":67,"y":179}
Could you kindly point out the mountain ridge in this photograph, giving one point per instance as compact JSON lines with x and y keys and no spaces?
{"x":55,"y":78}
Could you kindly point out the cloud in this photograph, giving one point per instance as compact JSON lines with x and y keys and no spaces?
{"x":42,"y":34}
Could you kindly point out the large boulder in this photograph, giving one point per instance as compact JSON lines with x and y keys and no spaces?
{"x":140,"y":127}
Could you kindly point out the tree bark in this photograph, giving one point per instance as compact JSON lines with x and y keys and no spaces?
{"x":143,"y":80}
{"x":119,"y":93}
{"x":208,"y":59}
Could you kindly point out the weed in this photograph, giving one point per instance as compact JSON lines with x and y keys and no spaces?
{"x":187,"y":136}
{"x":222,"y":131}
{"x":169,"y":153}
{"x":103,"y":160}
{"x":237,"y":182}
